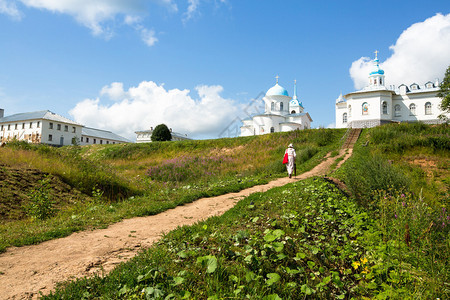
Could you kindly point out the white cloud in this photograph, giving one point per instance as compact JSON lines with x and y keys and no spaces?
{"x":149,"y":104}
{"x":148,"y":36}
{"x":420,"y":54}
{"x":191,"y":10}
{"x":10,"y":9}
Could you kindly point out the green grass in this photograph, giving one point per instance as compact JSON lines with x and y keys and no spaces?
{"x":117,"y":175}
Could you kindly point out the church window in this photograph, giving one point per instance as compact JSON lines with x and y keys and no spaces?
{"x":293,"y":112}
{"x":349,"y":110}
{"x":344,"y":118}
{"x":365,"y":108}
{"x":428,"y":108}
{"x":272,"y":130}
{"x":397,"y":110}
{"x":272,"y":106}
{"x":281,"y":106}
{"x":385,"y":108}
{"x":412,"y":109}
{"x":50,"y":137}
{"x":381,"y":81}
{"x":375,"y":81}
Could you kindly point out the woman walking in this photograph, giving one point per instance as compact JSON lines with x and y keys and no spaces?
{"x":291,"y":155}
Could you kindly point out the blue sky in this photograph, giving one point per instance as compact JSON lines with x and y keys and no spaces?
{"x":127,"y":65}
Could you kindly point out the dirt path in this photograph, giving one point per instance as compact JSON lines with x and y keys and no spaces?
{"x":26,"y":271}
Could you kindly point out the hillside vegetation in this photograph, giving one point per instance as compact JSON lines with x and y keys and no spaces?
{"x":388,"y":240}
{"x":51,"y":192}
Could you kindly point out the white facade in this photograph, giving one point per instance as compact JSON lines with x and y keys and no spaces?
{"x":145,"y":136}
{"x":375,"y":104}
{"x":46,"y":127}
{"x":282,"y":113}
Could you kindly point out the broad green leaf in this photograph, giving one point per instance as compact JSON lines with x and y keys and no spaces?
{"x":272,"y":278}
{"x":306,"y":289}
{"x":178,"y":280}
{"x":272,"y":297}
{"x":278,"y":246}
{"x":270,"y":237}
{"x":311,"y":264}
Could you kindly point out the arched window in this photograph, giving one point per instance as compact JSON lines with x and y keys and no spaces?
{"x":412,"y":109}
{"x":397,"y":110}
{"x":385,"y":108}
{"x":349,"y":111}
{"x":344,"y":118}
{"x":272,"y":130}
{"x":428,"y":108}
{"x":365,"y":108}
{"x":293,"y":112}
{"x":281,"y":106}
{"x":272,"y":106}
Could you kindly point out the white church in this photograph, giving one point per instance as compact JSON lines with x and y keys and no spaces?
{"x":282,"y":113}
{"x":376,"y":104}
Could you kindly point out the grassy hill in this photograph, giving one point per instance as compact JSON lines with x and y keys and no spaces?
{"x":76,"y":188}
{"x":386,"y":236}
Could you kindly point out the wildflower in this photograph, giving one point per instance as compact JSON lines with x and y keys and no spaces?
{"x":356,"y":264}
{"x":403,"y":204}
{"x":364,"y":260}
{"x":403,"y":195}
{"x":396,"y":216}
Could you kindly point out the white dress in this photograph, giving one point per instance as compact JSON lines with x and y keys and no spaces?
{"x":291,"y":160}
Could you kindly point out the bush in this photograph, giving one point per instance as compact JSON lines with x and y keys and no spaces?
{"x":41,"y":204}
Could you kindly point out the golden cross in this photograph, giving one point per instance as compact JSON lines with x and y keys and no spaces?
{"x":277,"y":78}
{"x":376,"y":54}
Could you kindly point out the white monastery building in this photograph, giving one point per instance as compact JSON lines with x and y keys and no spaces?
{"x":145,"y":136}
{"x":46,"y":127}
{"x":282,"y":113}
{"x":376,"y":105}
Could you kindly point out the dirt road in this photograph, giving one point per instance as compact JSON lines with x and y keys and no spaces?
{"x":26,"y":271}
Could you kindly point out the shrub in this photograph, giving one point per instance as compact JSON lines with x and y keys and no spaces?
{"x":41,"y":204}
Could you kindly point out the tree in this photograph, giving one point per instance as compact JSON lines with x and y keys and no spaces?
{"x":444,"y":92}
{"x":161,"y":133}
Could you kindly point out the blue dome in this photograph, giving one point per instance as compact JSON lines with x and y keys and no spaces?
{"x":379,"y":72}
{"x":277,"y":90}
{"x":294,"y":102}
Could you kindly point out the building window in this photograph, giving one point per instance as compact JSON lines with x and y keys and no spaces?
{"x":281,"y":106}
{"x":428,"y":108}
{"x":293,"y":112}
{"x":344,"y":118}
{"x":87,"y":140}
{"x":74,"y":130}
{"x":385,"y":108}
{"x":2,"y":128}
{"x":58,"y":127}
{"x":397,"y":110}
{"x":349,"y":111}
{"x":15,"y":126}
{"x":50,"y":138}
{"x":272,"y":130}
{"x":101,"y":141}
{"x":9,"y":126}
{"x":38,"y":124}
{"x":365,"y":108}
{"x":375,"y":81}
{"x":23,"y":125}
{"x":81,"y":138}
{"x":107,"y":142}
{"x":272,"y":106}
{"x":412,"y":109}
{"x":66,"y":128}
{"x":50,"y":125}
{"x":381,"y":81}
{"x":95,"y":141}
{"x":31,"y":124}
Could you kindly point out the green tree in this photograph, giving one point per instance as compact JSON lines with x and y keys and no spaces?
{"x":444,"y":92}
{"x":161,"y":133}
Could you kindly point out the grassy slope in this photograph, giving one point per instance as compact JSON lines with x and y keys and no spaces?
{"x":115,"y":185}
{"x":307,"y":238}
